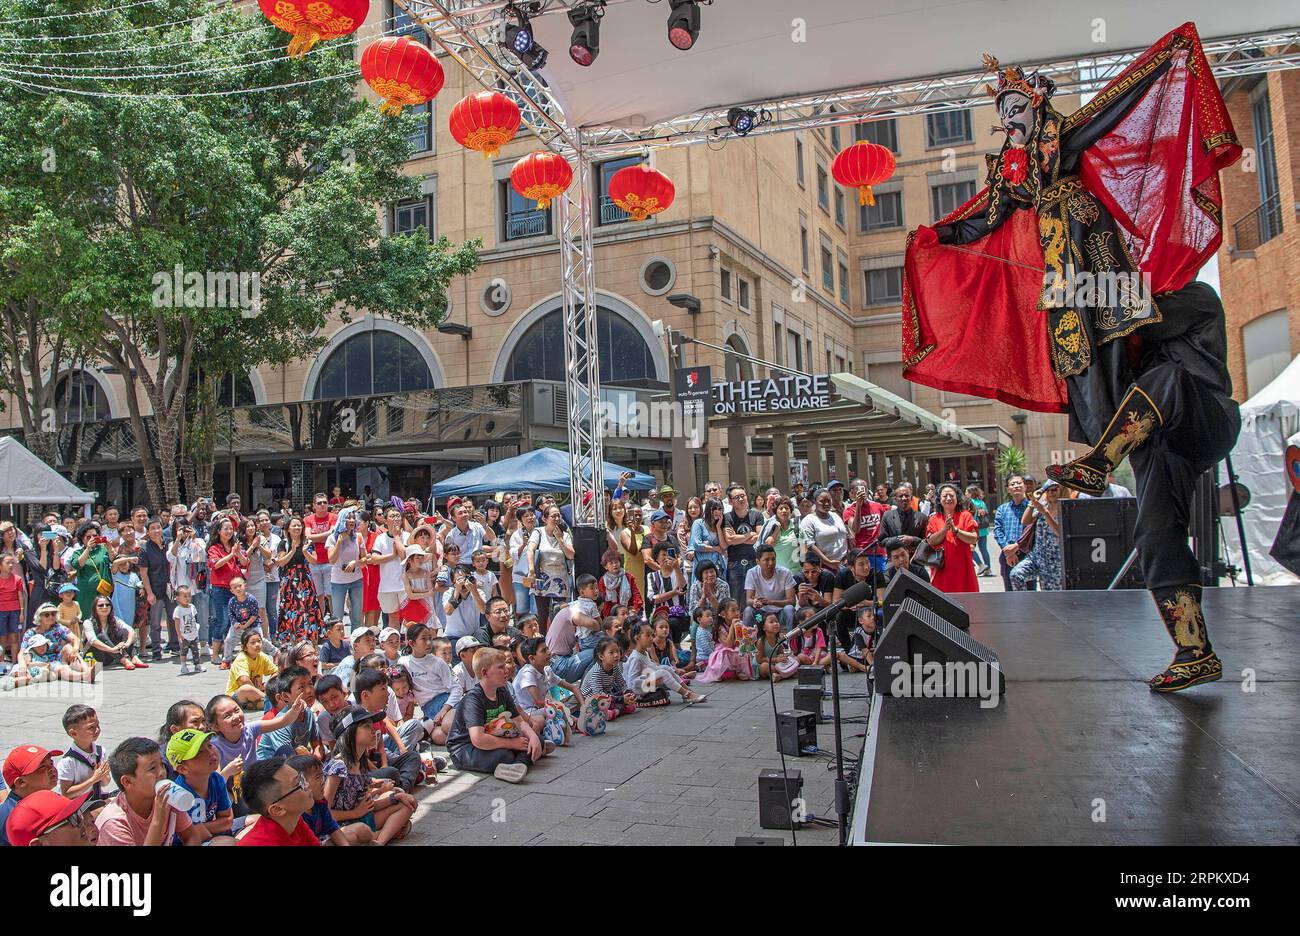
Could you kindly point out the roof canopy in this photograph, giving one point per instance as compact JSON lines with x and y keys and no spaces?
{"x":25,"y":479}
{"x":541,"y":471}
{"x":751,"y":51}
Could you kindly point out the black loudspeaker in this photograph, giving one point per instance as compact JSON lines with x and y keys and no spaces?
{"x":917,"y":633}
{"x":1096,"y":539}
{"x":811,"y":676}
{"x":906,"y":585}
{"x":776,"y":798}
{"x":809,"y":699}
{"x":589,"y":544}
{"x":795,"y":731}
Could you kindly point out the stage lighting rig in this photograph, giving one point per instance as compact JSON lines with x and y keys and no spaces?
{"x":684,"y":23}
{"x":584,"y":46}
{"x":519,"y":34}
{"x":744,"y":120}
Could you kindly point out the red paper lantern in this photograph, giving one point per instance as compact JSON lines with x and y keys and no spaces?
{"x":401,"y":71}
{"x":310,"y":21}
{"x":641,"y":191}
{"x":542,"y":176}
{"x":485,"y":121}
{"x":861,"y":166}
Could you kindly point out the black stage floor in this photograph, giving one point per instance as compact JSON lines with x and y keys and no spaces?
{"x":1079,"y":751}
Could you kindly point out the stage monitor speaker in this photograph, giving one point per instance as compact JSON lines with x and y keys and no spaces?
{"x":917,"y":633}
{"x":809,"y":699}
{"x":906,"y":585}
{"x":777,"y":798}
{"x":811,"y":676}
{"x":589,"y":544}
{"x":795,"y":732}
{"x":1096,"y":539}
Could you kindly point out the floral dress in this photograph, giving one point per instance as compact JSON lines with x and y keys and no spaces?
{"x":300,"y":614}
{"x":1043,"y":561}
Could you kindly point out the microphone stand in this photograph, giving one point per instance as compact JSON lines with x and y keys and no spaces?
{"x":841,"y":785}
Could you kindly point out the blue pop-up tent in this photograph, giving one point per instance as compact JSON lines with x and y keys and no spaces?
{"x":541,"y":471}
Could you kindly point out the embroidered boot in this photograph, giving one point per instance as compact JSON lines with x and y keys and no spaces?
{"x":1134,"y":421}
{"x":1194,"y":659}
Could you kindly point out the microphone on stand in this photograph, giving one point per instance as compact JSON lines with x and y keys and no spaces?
{"x":854,"y":595}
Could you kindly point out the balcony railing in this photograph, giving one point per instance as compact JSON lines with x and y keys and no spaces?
{"x":1259,"y":226}
{"x":610,"y":213}
{"x":527,"y":224}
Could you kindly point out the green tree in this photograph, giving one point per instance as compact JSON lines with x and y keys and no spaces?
{"x":200,"y":223}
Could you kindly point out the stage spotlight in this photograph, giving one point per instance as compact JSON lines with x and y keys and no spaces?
{"x":519,"y":34}
{"x":684,"y":23}
{"x":585,"y":44}
{"x":535,"y":58}
{"x":742,"y":120}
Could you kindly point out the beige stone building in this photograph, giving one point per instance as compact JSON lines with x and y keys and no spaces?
{"x":785,"y":266}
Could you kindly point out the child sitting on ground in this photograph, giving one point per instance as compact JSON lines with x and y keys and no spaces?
{"x":645,"y":676}
{"x":773,"y":658}
{"x":195,"y":761}
{"x":664,"y":652}
{"x":462,"y":677}
{"x":353,"y":795}
{"x":430,"y":676}
{"x":248,"y":674}
{"x":809,"y":648}
{"x":488,"y":735}
{"x":400,"y":683}
{"x":616,"y":588}
{"x":235,"y":741}
{"x":320,"y":819}
{"x":298,"y":735}
{"x":861,"y":652}
{"x":724,"y":660}
{"x":83,"y":768}
{"x":533,"y":686}
{"x":336,"y":648}
{"x":606,"y":678}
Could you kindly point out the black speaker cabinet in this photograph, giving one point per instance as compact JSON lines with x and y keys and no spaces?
{"x":795,"y":730}
{"x":776,"y":798}
{"x":1096,"y":539}
{"x":906,"y":585}
{"x":809,"y":699}
{"x":811,"y":676}
{"x":916,"y":635}
{"x":589,"y":544}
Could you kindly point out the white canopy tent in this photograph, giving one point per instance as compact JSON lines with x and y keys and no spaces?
{"x":1268,"y":420}
{"x":25,"y":479}
{"x":810,"y":64}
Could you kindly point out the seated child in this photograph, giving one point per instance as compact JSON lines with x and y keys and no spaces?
{"x":353,"y":794}
{"x":646,"y":676}
{"x":400,"y":683}
{"x":248,"y":674}
{"x":585,"y":613}
{"x":462,"y":678}
{"x":139,"y":814}
{"x":861,"y":652}
{"x":336,"y":648}
{"x":41,"y":659}
{"x":616,"y":588}
{"x":195,"y":761}
{"x":488,"y":736}
{"x":236,"y":742}
{"x":286,"y":691}
{"x":810,"y":648}
{"x":773,"y":658}
{"x":533,"y":686}
{"x":83,"y":768}
{"x":319,"y":818}
{"x":606,"y":678}
{"x":430,"y":675}
{"x":664,"y":652}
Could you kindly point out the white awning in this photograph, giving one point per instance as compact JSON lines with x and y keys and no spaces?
{"x":25,"y":479}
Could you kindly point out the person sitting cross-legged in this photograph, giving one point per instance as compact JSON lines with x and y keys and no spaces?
{"x":488,"y":734}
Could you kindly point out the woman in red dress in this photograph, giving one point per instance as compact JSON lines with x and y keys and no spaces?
{"x":369,"y":573}
{"x":955,"y":530}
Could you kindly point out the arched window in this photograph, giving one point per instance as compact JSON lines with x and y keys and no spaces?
{"x":372,"y":362}
{"x":625,"y":359}
{"x":79,"y":399}
{"x":738,"y":368}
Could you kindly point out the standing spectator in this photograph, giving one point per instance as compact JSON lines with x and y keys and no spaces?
{"x":740,"y":529}
{"x":389,"y":554}
{"x":13,"y":606}
{"x":694,"y":510}
{"x":782,"y":533}
{"x":46,"y":565}
{"x":550,"y":550}
{"x":91,"y":566}
{"x":188,"y":553}
{"x":468,"y":531}
{"x":980,"y":511}
{"x":300,"y":617}
{"x":826,"y":534}
{"x":226,"y":560}
{"x":1044,"y":559}
{"x":904,"y":525}
{"x":1007,"y":527}
{"x":319,"y":524}
{"x":527,"y":522}
{"x":155,"y":576}
{"x":863,"y":518}
{"x":706,"y":541}
{"x":346,"y":585}
{"x":953,"y":530}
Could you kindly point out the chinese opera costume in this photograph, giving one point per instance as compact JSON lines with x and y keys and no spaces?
{"x":1066,"y":286}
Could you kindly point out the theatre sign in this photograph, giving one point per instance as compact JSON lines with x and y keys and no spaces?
{"x":794,"y":392}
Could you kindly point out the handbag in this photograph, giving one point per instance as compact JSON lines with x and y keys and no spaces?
{"x":1026,"y":541}
{"x":927,"y":554}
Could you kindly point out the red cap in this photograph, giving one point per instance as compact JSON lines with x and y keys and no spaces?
{"x":36,"y":812}
{"x":452,"y":502}
{"x":586,"y":498}
{"x":23,"y":760}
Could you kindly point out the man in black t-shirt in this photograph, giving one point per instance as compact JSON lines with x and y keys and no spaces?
{"x":740,"y":526}
{"x":155,"y":576}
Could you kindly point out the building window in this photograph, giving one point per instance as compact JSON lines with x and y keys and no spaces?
{"x":828,"y":267}
{"x":948,"y":128}
{"x":886,"y":213}
{"x":882,"y":132}
{"x":839,"y":363}
{"x":776,"y":342}
{"x":422,"y":139}
{"x":231,"y":392}
{"x":843,"y":264}
{"x":823,"y":187}
{"x":520,"y":217}
{"x":793,"y":350}
{"x":835,"y":138}
{"x":803,"y":243}
{"x":839,"y":207}
{"x":78,"y":399}
{"x":726,"y":285}
{"x":742,"y":293}
{"x":948,"y":197}
{"x":625,"y":358}
{"x":798,"y":162}
{"x":1266,"y":345}
{"x":889,"y":376}
{"x":608,"y":212}
{"x":399,"y":23}
{"x":1270,"y":202}
{"x":372,"y":362}
{"x":410,"y":215}
{"x":882,"y":286}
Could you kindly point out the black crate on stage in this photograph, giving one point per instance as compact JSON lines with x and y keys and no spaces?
{"x":811,"y":676}
{"x":776,"y":798}
{"x":809,"y":699}
{"x":1096,"y":539}
{"x":795,"y":730}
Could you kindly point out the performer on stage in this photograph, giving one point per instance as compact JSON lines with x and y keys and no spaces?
{"x":1078,"y":257}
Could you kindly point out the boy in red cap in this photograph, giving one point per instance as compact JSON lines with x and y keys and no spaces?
{"x":46,"y":818}
{"x":28,"y":769}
